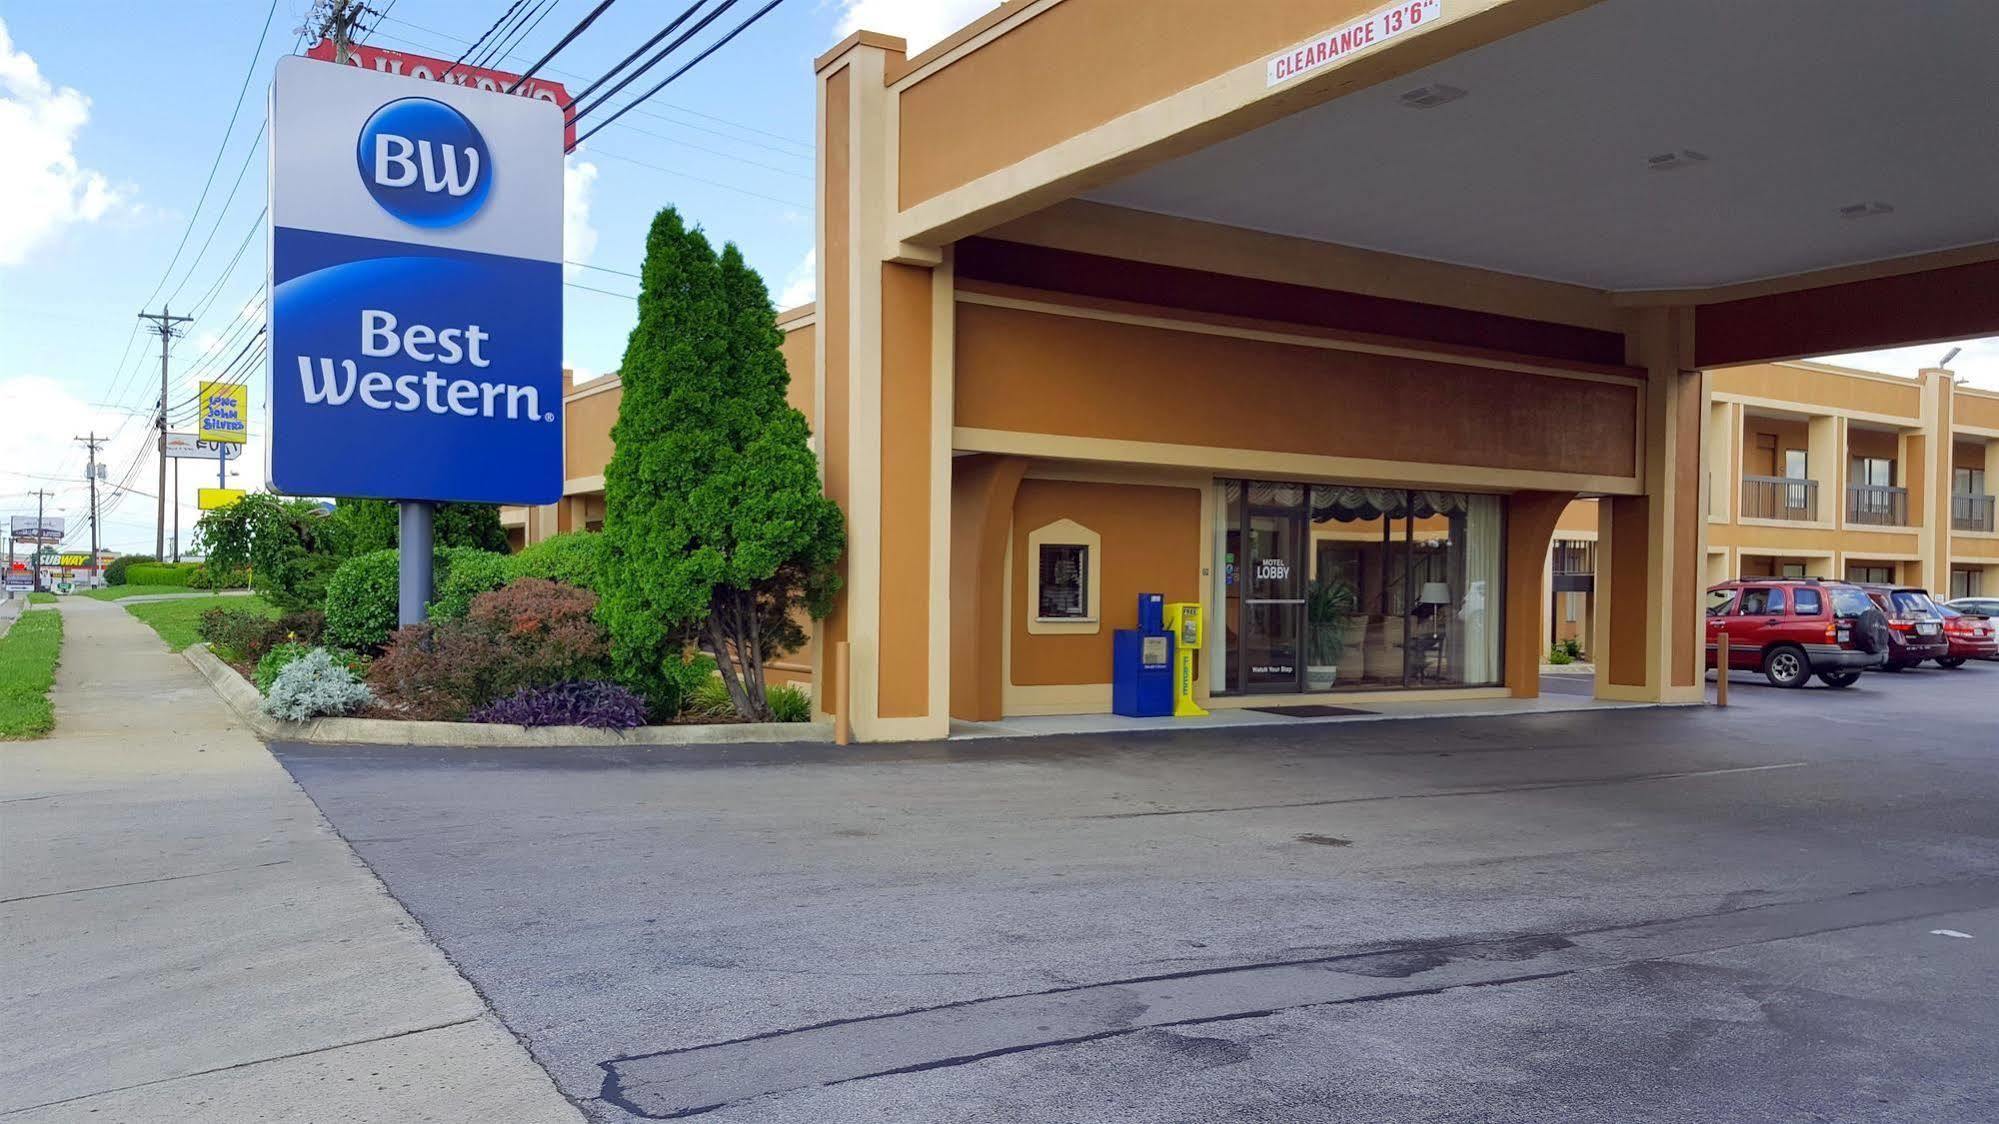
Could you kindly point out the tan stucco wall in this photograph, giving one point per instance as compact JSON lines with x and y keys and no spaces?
{"x":1151,"y":544}
{"x":1823,"y":386}
{"x":1029,"y":371}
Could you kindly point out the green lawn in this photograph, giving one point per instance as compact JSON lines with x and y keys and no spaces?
{"x":27,"y":671}
{"x":121,"y":592}
{"x":175,"y":621}
{"x":41,"y":598}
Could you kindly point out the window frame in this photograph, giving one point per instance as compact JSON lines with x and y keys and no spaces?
{"x":1065,"y":533}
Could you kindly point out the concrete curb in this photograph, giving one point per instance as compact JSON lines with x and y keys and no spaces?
{"x":241,"y":696}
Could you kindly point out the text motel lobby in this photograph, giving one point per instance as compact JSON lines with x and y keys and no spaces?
{"x":1318,"y":314}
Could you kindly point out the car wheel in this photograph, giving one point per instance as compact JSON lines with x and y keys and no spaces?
{"x":1786,"y":667}
{"x":1951,"y":661}
{"x":1839,"y":678}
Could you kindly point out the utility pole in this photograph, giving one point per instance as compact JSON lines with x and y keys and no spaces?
{"x":342,"y":20}
{"x":166,"y":324}
{"x":35,"y":548}
{"x":90,"y":472}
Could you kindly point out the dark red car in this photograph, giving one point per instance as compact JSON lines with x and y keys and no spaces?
{"x":1791,"y":630}
{"x":1915,"y":628}
{"x":1970,"y":637}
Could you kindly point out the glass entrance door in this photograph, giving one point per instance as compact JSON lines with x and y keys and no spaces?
{"x":1273,"y":584}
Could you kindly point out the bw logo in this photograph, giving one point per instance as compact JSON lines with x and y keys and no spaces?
{"x":424,"y":163}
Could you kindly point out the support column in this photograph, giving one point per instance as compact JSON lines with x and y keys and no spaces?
{"x":884,"y":404}
{"x":1530,"y":530}
{"x":1652,"y":549}
{"x":1825,"y":462}
{"x":1931,"y":457}
{"x":982,"y":492}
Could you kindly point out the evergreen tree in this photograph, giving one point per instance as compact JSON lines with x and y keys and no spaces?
{"x":716,"y":532}
{"x":370,"y":525}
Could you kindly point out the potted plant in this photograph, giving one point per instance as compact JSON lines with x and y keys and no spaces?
{"x":1329,"y":603}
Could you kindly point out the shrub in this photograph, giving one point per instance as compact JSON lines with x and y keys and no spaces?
{"x":175,"y":574}
{"x":531,"y":633}
{"x":114,"y":574}
{"x":1558,"y":656}
{"x":237,"y":635}
{"x":206,"y":577}
{"x":1573,"y":647}
{"x":789,"y":704}
{"x":467,"y":572}
{"x":571,"y":557}
{"x":275,"y":661}
{"x":709,"y":699}
{"x":361,"y":601}
{"x":588,"y":702}
{"x":306,"y":626}
{"x":313,"y":685}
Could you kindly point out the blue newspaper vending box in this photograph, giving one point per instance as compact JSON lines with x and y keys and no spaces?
{"x":1142,"y":663}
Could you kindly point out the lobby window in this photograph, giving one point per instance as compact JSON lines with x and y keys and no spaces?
{"x":1065,"y":574}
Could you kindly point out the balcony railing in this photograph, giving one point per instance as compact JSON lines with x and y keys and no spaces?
{"x":1969,"y":512}
{"x":1780,"y":497}
{"x":1877,"y":505}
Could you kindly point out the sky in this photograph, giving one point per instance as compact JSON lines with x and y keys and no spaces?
{"x":134,"y":176}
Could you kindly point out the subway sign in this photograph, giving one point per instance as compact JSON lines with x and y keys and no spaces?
{"x":416,"y":289}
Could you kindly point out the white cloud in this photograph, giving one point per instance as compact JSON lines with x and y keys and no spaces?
{"x":42,"y":188}
{"x":1977,"y":365}
{"x":801,"y":284}
{"x":579,"y":238}
{"x":921,"y":22}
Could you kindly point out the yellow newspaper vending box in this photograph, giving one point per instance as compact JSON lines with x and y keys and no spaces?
{"x":1183,"y":620}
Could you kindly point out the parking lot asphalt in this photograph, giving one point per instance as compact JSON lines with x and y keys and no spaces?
{"x":1788,"y":910}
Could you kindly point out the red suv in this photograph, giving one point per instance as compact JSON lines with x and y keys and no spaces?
{"x":1915,"y":628}
{"x":1791,"y":630}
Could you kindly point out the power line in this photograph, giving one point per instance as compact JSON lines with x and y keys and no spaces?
{"x":581,"y":26}
{"x":805,"y":148}
{"x":698,"y":179}
{"x":522,"y":30}
{"x":248,"y":156}
{"x":655,"y":60}
{"x":689,"y":65}
{"x":482,"y":38}
{"x":576,"y":99}
{"x":248,"y":73}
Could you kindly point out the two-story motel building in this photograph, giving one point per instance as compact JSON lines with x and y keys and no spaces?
{"x":1233,"y":301}
{"x":1828,"y":472}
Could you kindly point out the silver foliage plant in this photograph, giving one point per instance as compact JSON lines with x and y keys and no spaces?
{"x":314,"y":685}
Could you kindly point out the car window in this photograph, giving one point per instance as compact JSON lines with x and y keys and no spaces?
{"x":1806,"y":603}
{"x":1718,"y":601}
{"x":1850,"y":603}
{"x":1912,"y":603}
{"x":1761,"y":602}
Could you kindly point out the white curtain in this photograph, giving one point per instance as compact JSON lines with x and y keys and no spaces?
{"x":1483,"y":600}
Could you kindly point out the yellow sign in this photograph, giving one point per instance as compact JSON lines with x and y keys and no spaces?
{"x":1183,"y":620}
{"x":212,"y":499}
{"x":225,"y":412}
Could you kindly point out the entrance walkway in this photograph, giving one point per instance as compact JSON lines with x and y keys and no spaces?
{"x":1558,"y":693}
{"x":187,"y":940}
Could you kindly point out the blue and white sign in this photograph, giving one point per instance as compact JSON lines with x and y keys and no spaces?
{"x":416,"y":289}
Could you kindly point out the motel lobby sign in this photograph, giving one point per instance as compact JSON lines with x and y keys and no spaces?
{"x":415,"y":289}
{"x":1369,"y":30}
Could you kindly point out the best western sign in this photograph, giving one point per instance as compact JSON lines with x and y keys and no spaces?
{"x":416,"y":289}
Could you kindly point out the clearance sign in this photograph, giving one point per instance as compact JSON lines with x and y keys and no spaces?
{"x":1359,"y":35}
{"x":225,"y":410}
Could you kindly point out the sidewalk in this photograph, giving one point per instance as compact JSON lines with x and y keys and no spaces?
{"x":185,"y":938}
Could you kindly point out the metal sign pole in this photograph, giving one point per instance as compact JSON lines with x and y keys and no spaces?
{"x":413,"y":523}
